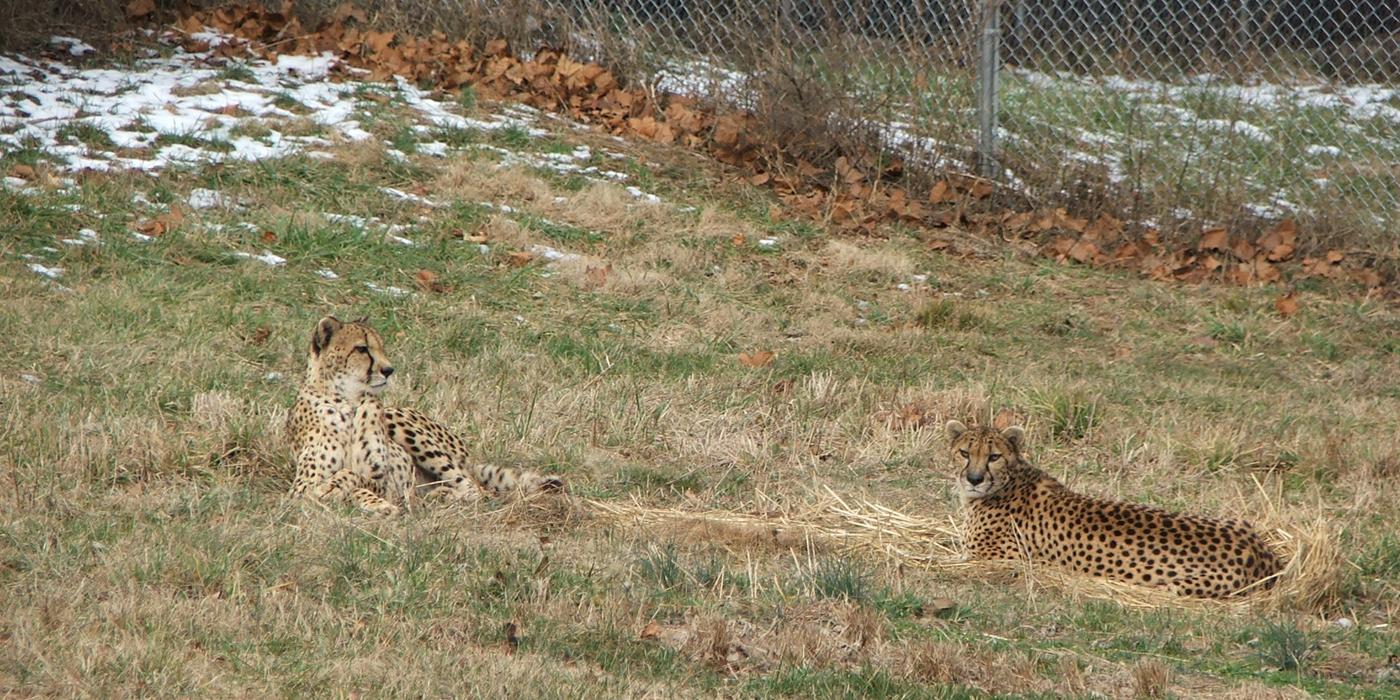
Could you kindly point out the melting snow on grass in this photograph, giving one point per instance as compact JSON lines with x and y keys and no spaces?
{"x":198,"y":108}
{"x":85,"y":236}
{"x":267,"y":258}
{"x":180,"y":109}
{"x":551,"y":255}
{"x":52,"y":273}
{"x":200,"y":198}
{"x":390,"y":290}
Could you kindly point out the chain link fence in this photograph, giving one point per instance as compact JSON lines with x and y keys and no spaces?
{"x":1171,"y":113}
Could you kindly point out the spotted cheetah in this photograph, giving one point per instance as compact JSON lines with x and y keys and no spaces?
{"x":346,"y":442}
{"x":1016,"y":511}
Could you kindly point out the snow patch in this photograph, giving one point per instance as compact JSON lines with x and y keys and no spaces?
{"x":389,"y":290}
{"x":52,"y":273}
{"x":647,"y":197}
{"x":552,"y":255}
{"x":410,"y":197}
{"x":201,"y":198}
{"x":267,"y":258}
{"x":74,"y":47}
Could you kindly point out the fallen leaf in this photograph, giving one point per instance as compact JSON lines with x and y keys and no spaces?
{"x":1243,"y":249}
{"x":1215,"y":239}
{"x":260,"y":335}
{"x":1061,"y":245}
{"x":651,"y":631}
{"x":136,"y":9}
{"x":268,"y":237}
{"x":596,"y":277}
{"x":1105,"y":229}
{"x":1370,"y":278}
{"x":428,"y":281}
{"x":150,"y":227}
{"x":1278,"y":245}
{"x":520,"y":258}
{"x":161,"y":225}
{"x":1083,"y":251}
{"x":939,"y":192}
{"x":1005,"y":418}
{"x":738,"y":240}
{"x":756,"y":359}
{"x":23,"y":172}
{"x":1287,"y":304}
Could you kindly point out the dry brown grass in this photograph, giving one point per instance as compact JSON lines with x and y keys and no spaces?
{"x":1150,"y":679}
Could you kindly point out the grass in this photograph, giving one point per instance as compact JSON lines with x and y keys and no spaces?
{"x":146,"y":546}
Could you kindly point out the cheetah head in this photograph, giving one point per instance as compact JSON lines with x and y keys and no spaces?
{"x":985,"y":456}
{"x":349,"y":357}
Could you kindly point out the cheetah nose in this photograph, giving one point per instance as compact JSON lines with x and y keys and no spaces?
{"x":386,"y":371}
{"x":975,"y":478}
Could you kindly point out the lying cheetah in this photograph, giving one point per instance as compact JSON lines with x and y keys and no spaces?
{"x":346,"y":442}
{"x":1016,"y":511}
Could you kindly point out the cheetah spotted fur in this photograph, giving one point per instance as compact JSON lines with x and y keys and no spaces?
{"x":346,"y":443}
{"x":1016,"y":511}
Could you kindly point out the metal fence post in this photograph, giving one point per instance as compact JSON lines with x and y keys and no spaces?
{"x":988,"y":65}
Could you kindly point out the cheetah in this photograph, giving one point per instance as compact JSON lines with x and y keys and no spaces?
{"x":1016,"y":511}
{"x":345,"y":442}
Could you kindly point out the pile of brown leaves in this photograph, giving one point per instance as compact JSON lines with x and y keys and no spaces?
{"x":852,"y":194}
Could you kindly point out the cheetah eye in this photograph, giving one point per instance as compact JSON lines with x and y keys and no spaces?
{"x":963,"y":453}
{"x":993,"y":457}
{"x":362,"y":348}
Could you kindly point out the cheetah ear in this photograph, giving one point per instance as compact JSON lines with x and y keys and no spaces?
{"x":1016,"y":436}
{"x":322,"y":336}
{"x":955,"y":429}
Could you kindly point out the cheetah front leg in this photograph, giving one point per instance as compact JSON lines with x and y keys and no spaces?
{"x":348,"y":482}
{"x":385,"y":465}
{"x":322,"y":475}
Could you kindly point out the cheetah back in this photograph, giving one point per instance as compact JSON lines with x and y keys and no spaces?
{"x":1191,"y":555}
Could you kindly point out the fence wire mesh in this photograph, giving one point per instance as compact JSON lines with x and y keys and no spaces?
{"x":1173,"y":112}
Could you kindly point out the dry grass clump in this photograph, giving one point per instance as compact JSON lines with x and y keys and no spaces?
{"x":820,"y":634}
{"x":955,"y":663}
{"x":1150,"y":679}
{"x":844,"y":256}
{"x":606,"y":206}
{"x":482,"y":181}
